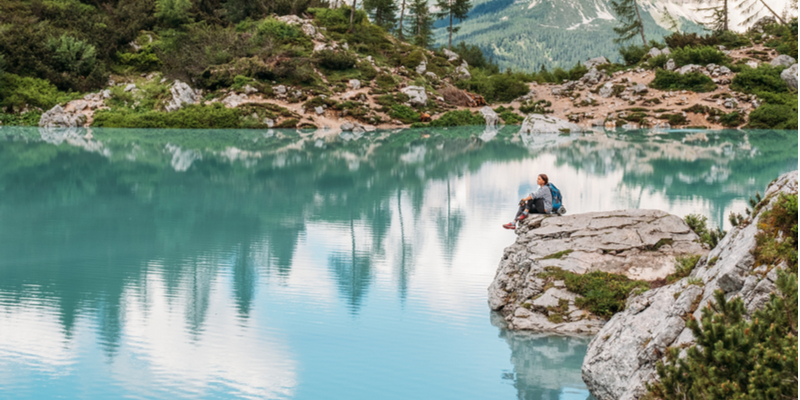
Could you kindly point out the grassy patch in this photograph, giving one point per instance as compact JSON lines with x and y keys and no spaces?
{"x":776,"y":240}
{"x":604,"y":294}
{"x":694,"y":81}
{"x":191,"y":116}
{"x":683,"y":267}
{"x":558,"y":255}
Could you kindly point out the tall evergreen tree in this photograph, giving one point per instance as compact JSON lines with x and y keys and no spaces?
{"x":382,"y":12}
{"x":421,"y":26}
{"x":718,"y":20}
{"x":400,"y":26}
{"x":451,"y":9}
{"x":748,"y":7}
{"x":630,"y":20}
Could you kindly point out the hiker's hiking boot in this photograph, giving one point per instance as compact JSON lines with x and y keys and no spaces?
{"x":510,"y":225}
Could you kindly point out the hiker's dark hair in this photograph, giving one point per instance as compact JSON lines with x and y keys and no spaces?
{"x":544,"y":178}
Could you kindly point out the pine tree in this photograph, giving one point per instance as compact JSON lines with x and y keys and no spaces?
{"x":630,"y":20}
{"x":421,"y":26}
{"x":400,"y":26}
{"x":451,"y":9}
{"x":718,"y":20}
{"x":748,"y":7}
{"x":734,"y":358}
{"x":383,"y":12}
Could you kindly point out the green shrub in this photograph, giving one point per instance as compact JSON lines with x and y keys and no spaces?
{"x":336,"y":19}
{"x":335,"y":60}
{"x":699,"y":55}
{"x":659,"y":61}
{"x":458,"y":118}
{"x":367,"y":71}
{"x":776,"y":240}
{"x":30,"y":118}
{"x":412,"y":60}
{"x":694,"y":81}
{"x":278,"y":30}
{"x":734,"y":357}
{"x":511,"y":118}
{"x":385,"y":82}
{"x":190,"y":117}
{"x":732,"y":120}
{"x":676,"y":119}
{"x":604,"y":294}
{"x":537,"y":107}
{"x":773,"y":116}
{"x":633,"y":54}
{"x":683,"y":267}
{"x":496,"y":88}
{"x":72,"y":55}
{"x":762,"y":79}
{"x":404,"y":113}
{"x":679,"y":40}
{"x":474,"y":56}
{"x":16,"y":92}
{"x":732,"y":40}
{"x":699,"y":224}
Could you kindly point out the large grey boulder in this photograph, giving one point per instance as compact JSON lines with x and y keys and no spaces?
{"x":640,"y":244}
{"x":489,"y":116}
{"x":607,"y":90}
{"x":462,"y":71}
{"x":789,"y":75}
{"x":622,"y":357}
{"x":782,"y":61}
{"x":56,"y":117}
{"x":422,"y":67}
{"x":594,"y":62}
{"x":690,"y":68}
{"x":592,"y":77}
{"x":539,"y":123}
{"x":181,"y":94}
{"x":233,"y":100}
{"x":416,"y":94}
{"x":355,"y":84}
{"x":451,"y":55}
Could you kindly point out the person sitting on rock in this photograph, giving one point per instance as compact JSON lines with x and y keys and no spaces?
{"x":538,"y":202}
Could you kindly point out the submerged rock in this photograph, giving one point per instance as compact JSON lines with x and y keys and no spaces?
{"x":622,"y":357}
{"x":640,"y":244}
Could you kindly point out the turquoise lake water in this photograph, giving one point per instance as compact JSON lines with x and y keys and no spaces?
{"x":292,"y":265}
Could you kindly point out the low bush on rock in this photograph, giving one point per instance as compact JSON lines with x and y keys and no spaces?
{"x":604,"y":294}
{"x":683,"y":267}
{"x":699,"y":224}
{"x":190,"y":117}
{"x":762,"y":79}
{"x":774,"y":116}
{"x":694,"y":81}
{"x":335,"y":60}
{"x":699,"y":55}
{"x":736,"y":358}
{"x":500,"y":87}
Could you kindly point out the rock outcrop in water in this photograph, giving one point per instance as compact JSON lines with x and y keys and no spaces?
{"x":623,"y":355}
{"x":641,"y":244}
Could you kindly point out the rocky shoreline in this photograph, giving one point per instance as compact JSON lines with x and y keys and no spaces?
{"x":639,"y":244}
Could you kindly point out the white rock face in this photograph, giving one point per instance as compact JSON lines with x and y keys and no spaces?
{"x":690,"y":68}
{"x":462,"y":71}
{"x":539,"y":123}
{"x":355,"y":84}
{"x":130,"y":87}
{"x":489,"y":116}
{"x":782,"y":61}
{"x":670,"y":65}
{"x":422,"y":67}
{"x":752,"y":64}
{"x":431,"y":75}
{"x":623,"y":355}
{"x":417,"y":95}
{"x":641,"y":244}
{"x":181,"y":94}
{"x":249,"y":89}
{"x":234,"y":100}
{"x":639,"y":88}
{"x":606,"y":90}
{"x":291,"y":20}
{"x":451,"y":55}
{"x":56,"y":117}
{"x":593,"y":62}
{"x":789,"y":75}
{"x":593,"y":76}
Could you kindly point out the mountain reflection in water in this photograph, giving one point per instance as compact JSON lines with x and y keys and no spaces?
{"x":285,"y":264}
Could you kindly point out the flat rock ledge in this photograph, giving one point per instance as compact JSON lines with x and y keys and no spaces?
{"x":622,"y":357}
{"x":641,"y":244}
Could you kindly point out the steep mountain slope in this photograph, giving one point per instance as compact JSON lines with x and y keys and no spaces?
{"x":525,"y":34}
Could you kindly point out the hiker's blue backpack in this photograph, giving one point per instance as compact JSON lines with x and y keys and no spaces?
{"x":558,"y":207}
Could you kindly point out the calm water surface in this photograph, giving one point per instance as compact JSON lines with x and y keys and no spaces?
{"x":281,"y":264}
